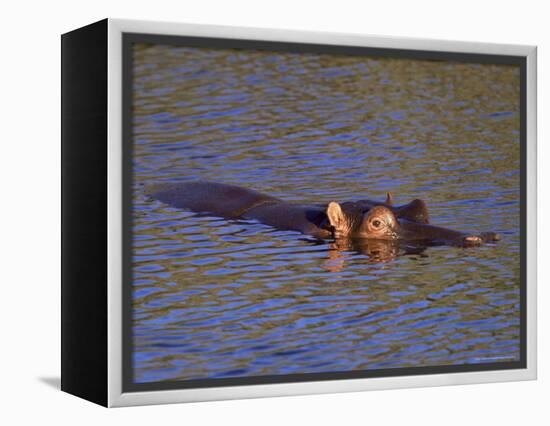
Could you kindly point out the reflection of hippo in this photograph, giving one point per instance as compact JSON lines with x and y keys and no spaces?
{"x":377,"y":251}
{"x":360,"y":219}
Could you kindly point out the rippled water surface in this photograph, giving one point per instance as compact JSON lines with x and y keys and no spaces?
{"x":216,"y":298}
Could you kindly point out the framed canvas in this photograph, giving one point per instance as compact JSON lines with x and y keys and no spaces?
{"x":251,"y":212}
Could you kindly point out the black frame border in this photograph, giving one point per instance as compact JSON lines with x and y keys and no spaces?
{"x":84,"y":147}
{"x":128,"y":39}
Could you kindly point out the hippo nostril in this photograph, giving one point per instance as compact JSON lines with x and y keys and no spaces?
{"x":490,"y":236}
{"x":472,"y":240}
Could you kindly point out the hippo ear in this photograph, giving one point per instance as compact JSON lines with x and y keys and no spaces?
{"x":389,"y":198}
{"x":415,"y":211}
{"x":335,"y":214}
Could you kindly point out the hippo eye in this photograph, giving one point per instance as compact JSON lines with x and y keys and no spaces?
{"x":376,"y":223}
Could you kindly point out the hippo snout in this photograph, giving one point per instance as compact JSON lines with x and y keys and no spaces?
{"x":472,"y":240}
{"x":476,"y":240}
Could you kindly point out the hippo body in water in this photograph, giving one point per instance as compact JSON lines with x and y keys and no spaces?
{"x":234,"y":202}
{"x":353,"y":219}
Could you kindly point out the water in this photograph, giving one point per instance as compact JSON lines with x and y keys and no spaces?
{"x":216,"y":298}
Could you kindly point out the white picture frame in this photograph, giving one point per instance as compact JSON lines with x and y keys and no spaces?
{"x":111,"y":387}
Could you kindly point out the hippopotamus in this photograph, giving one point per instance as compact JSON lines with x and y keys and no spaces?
{"x":362,"y":219}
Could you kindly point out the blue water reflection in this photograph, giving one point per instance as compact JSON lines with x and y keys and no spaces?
{"x":217,"y":298}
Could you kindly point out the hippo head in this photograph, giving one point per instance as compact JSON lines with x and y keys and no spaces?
{"x":351,"y":221}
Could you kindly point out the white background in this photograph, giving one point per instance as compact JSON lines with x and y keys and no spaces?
{"x":30,"y":210}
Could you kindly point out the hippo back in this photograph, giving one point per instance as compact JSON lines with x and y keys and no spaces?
{"x":219,"y":199}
